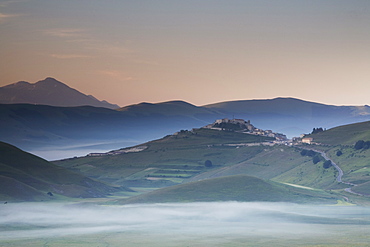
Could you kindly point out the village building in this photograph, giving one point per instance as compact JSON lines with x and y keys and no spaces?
{"x":307,"y":140}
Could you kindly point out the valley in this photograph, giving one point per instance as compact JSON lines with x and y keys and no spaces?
{"x":163,"y":167}
{"x":53,"y":131}
{"x":181,"y":158}
{"x":222,"y":224}
{"x":143,"y":168}
{"x":184,"y":123}
{"x":253,"y":181}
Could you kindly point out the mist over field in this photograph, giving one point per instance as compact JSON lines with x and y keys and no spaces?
{"x":63,"y":150}
{"x":22,"y":221}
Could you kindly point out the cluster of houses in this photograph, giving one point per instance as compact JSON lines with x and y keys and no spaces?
{"x":242,"y":126}
{"x":120,"y":151}
{"x":245,"y":127}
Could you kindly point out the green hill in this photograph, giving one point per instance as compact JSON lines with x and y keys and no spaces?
{"x":339,"y":144}
{"x":189,"y":157}
{"x":281,"y":164}
{"x":233,"y":188}
{"x":169,"y":160}
{"x":344,"y":135}
{"x":28,"y":177}
{"x":181,"y":158}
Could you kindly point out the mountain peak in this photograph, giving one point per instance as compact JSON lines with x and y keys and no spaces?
{"x":21,"y":83}
{"x":49,"y":81}
{"x":49,"y":91}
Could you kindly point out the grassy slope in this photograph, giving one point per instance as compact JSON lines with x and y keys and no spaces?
{"x":19,"y":168}
{"x":281,"y":164}
{"x":180,"y":159}
{"x":354,"y":163}
{"x":233,"y":188}
{"x":344,"y":135}
{"x":14,"y":190}
{"x":172,"y":158}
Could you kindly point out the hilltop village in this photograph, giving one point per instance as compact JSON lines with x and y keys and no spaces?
{"x":240,"y":125}
{"x":237,"y":125}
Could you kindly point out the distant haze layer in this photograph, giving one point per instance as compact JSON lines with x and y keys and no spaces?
{"x":199,"y":51}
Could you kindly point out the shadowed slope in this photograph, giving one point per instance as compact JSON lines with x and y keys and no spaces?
{"x":26,"y":177}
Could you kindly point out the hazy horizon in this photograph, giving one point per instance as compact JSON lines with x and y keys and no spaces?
{"x":209,"y":103}
{"x":127,"y":52}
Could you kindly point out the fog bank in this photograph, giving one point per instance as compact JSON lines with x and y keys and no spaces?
{"x":40,"y":220}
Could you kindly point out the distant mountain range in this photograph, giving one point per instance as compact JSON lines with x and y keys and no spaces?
{"x":292,"y":116}
{"x":39,"y":125}
{"x":48,"y":92}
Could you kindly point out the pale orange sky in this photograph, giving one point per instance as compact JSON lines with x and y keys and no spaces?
{"x":202,"y":52}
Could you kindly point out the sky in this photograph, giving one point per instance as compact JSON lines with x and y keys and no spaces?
{"x":200,"y":51}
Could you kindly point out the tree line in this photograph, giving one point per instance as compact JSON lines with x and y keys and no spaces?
{"x":316,"y":158}
{"x":361,"y":144}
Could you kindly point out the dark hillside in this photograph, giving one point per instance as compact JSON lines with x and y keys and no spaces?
{"x":36,"y":126}
{"x":25,"y":176}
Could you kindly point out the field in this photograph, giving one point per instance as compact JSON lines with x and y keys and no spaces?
{"x":170,"y":159}
{"x":192,"y":224}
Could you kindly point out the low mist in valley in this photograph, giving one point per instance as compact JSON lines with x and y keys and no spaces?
{"x":226,"y":221}
{"x":67,"y":150}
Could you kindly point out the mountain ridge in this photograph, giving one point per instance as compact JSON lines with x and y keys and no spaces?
{"x":48,"y":92}
{"x":31,"y":126}
{"x":28,"y":125}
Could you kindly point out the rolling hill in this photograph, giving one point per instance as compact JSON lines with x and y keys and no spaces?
{"x":344,"y":135}
{"x":201,"y":154}
{"x":170,"y":108}
{"x":203,"y":158}
{"x":168,"y":160}
{"x":233,"y":188}
{"x":339,"y":144}
{"x":25,"y":177}
{"x":48,"y":92}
